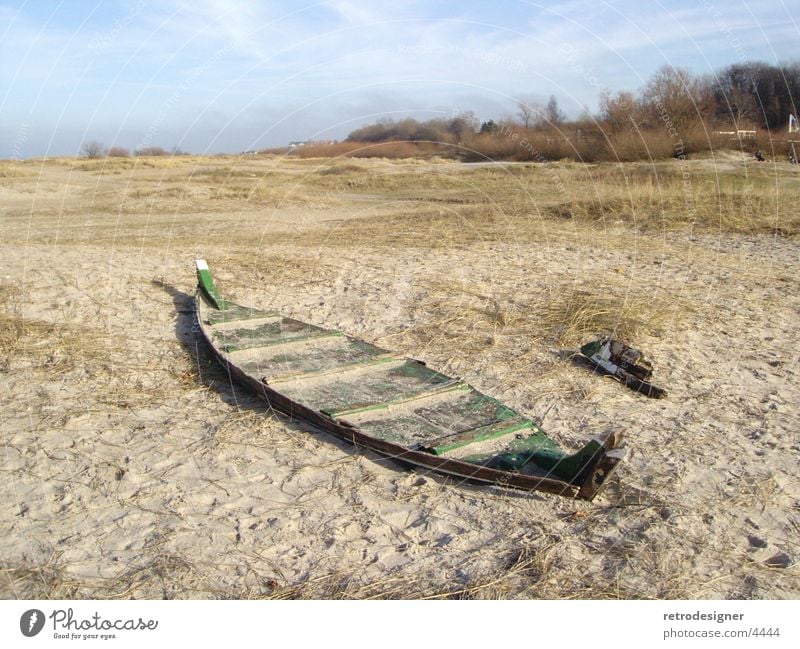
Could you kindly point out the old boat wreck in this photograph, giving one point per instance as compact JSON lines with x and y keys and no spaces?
{"x":391,"y":404}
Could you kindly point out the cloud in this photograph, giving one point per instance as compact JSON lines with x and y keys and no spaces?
{"x":332,"y":63}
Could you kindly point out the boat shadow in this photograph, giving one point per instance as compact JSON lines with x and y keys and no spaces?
{"x":210,"y":373}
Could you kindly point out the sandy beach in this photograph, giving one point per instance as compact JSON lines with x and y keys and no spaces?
{"x":132,"y":468}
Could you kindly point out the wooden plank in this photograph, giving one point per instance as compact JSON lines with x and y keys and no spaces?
{"x":277,"y":331}
{"x":234,"y":312}
{"x":516,"y":454}
{"x":404,"y":400}
{"x":231,"y":325}
{"x":250,"y":354}
{"x":481,"y":434}
{"x":473,"y":410}
{"x":418,"y":423}
{"x":408,"y":430}
{"x":348,"y":376}
{"x":372,"y":387}
{"x":312,"y":354}
{"x":364,"y":364}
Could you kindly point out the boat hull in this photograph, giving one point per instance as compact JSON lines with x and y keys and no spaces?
{"x":217,"y":321}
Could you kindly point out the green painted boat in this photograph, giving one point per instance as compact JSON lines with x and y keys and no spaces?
{"x":391,"y":404}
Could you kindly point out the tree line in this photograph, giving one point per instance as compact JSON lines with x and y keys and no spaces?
{"x":742,"y":96}
{"x":674,"y":113}
{"x":94,"y":150}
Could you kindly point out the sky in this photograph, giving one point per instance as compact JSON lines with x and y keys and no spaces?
{"x":211,"y":76}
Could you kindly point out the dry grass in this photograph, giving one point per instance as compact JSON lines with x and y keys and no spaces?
{"x":515,"y":143}
{"x":11,"y":324}
{"x":571,"y":315}
{"x":160,"y":576}
{"x":49,"y":581}
{"x":342,"y":170}
{"x":527,"y":570}
{"x":116,"y":165}
{"x":21,"y":337}
{"x":14,"y":170}
{"x":390,"y":149}
{"x":507,"y":268}
{"x":57,"y":347}
{"x":456,"y":318}
{"x":439,"y":205}
{"x":286,"y":270}
{"x":668,"y":199}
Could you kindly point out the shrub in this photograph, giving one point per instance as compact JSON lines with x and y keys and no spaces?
{"x":391,"y":149}
{"x":93,"y":150}
{"x":150,"y":150}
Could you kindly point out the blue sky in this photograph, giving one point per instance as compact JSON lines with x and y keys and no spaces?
{"x":221,"y":75}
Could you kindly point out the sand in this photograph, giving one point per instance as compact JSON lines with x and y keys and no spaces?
{"x":132,"y":467}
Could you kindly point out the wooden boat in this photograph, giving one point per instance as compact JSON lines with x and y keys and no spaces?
{"x":394,"y":405}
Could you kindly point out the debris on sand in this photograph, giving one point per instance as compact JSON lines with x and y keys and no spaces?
{"x":629,"y":365}
{"x":779,"y":560}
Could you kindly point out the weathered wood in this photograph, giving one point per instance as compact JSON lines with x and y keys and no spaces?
{"x":270,"y":333}
{"x":251,"y":323}
{"x":375,"y":369}
{"x":334,"y":371}
{"x":481,"y":434}
{"x":393,"y":405}
{"x":206,"y":283}
{"x":615,"y":358}
{"x":600,"y":473}
{"x":310,"y":354}
{"x":455,"y":468}
{"x":282,"y":346}
{"x":236,"y":313}
{"x":432,"y":416}
{"x":405,"y":397}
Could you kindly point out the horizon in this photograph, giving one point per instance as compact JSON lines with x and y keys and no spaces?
{"x":207,"y":77}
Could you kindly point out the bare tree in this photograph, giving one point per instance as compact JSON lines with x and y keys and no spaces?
{"x":93,"y":149}
{"x":619,"y":111}
{"x":552,"y":113}
{"x":672,"y":96}
{"x":149,"y":150}
{"x":118,"y":152}
{"x":526,"y":112}
{"x":463,"y":125}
